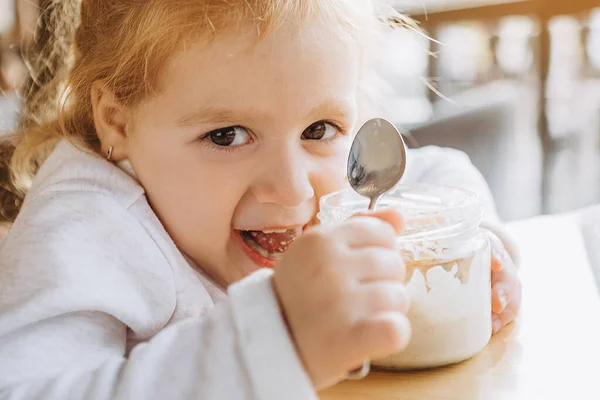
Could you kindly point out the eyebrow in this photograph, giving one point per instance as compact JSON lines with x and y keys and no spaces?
{"x":219,"y":115}
{"x":333,"y":108}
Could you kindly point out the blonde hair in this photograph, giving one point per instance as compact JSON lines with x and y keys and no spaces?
{"x":124,"y":44}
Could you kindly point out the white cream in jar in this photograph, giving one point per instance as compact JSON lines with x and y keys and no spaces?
{"x":448,"y":260}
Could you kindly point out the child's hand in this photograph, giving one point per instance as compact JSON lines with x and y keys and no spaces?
{"x":506,"y":286}
{"x":341,"y":290}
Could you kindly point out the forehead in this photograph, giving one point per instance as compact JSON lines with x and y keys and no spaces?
{"x":289,"y":71}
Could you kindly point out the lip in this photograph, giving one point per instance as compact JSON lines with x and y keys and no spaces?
{"x":276,"y":228}
{"x":256,"y":258}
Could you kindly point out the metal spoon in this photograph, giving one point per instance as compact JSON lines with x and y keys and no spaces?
{"x":377,"y":162}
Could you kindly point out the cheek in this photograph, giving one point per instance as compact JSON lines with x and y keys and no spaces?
{"x":196,"y":209}
{"x":186,"y":192}
{"x":331,"y":175}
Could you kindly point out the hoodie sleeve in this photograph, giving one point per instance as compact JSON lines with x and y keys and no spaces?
{"x":79,"y":277}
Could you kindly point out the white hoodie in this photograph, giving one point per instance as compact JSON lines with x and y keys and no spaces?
{"x":97,"y":302}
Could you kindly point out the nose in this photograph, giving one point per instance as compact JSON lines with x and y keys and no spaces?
{"x":285,"y":177}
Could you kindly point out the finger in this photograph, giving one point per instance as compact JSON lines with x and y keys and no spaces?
{"x":381,"y":335}
{"x":500,"y":298}
{"x":384,"y":296}
{"x":510,"y":312}
{"x":499,"y":321}
{"x":497,"y":265}
{"x":376,"y":264}
{"x":359,"y":232}
{"x":499,"y":254}
{"x":508,"y":275}
{"x":497,"y":249}
{"x":389,"y":216}
{"x":497,"y":324}
{"x":506,"y":288}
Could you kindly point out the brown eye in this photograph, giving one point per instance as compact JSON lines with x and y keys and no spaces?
{"x":319,"y":131}
{"x":230,"y":137}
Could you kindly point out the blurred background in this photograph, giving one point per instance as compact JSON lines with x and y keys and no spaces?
{"x":513,"y":83}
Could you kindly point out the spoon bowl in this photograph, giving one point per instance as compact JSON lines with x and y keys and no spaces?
{"x":377,"y":160}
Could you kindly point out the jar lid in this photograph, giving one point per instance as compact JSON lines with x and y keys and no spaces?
{"x":429,"y":211}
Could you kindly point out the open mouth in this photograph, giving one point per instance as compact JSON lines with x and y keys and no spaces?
{"x":266,"y":247}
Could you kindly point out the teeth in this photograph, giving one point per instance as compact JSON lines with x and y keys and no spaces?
{"x":263,"y":252}
{"x":275,"y":231}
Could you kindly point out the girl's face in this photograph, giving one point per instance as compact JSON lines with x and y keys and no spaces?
{"x":243,"y":140}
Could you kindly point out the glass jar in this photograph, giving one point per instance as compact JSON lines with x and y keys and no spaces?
{"x":448,"y":261}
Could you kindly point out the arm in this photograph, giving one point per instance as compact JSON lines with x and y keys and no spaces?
{"x":239,"y":350}
{"x":79,"y":276}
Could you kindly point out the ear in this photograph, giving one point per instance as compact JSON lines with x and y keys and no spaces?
{"x":111,"y":119}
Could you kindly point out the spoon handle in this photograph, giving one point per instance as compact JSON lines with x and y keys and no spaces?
{"x":373,"y":203}
{"x":361,"y":373}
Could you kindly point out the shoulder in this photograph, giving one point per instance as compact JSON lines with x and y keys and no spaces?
{"x":426,"y":161}
{"x":72,"y":168}
{"x":82,"y":250}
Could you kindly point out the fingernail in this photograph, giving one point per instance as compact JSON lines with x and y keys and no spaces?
{"x":496,"y":325}
{"x":498,"y":254}
{"x":503,"y":300}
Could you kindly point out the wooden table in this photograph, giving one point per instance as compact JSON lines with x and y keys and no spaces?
{"x":551,"y":352}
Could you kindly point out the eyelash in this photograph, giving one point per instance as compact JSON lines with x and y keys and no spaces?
{"x":224,"y":149}
{"x":205,"y":139}
{"x":341,"y":130}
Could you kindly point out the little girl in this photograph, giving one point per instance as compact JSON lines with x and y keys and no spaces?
{"x":190,"y":146}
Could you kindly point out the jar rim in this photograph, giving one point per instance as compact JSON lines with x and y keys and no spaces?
{"x":430,"y":212}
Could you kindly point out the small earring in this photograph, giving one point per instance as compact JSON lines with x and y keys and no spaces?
{"x":109,"y":154}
